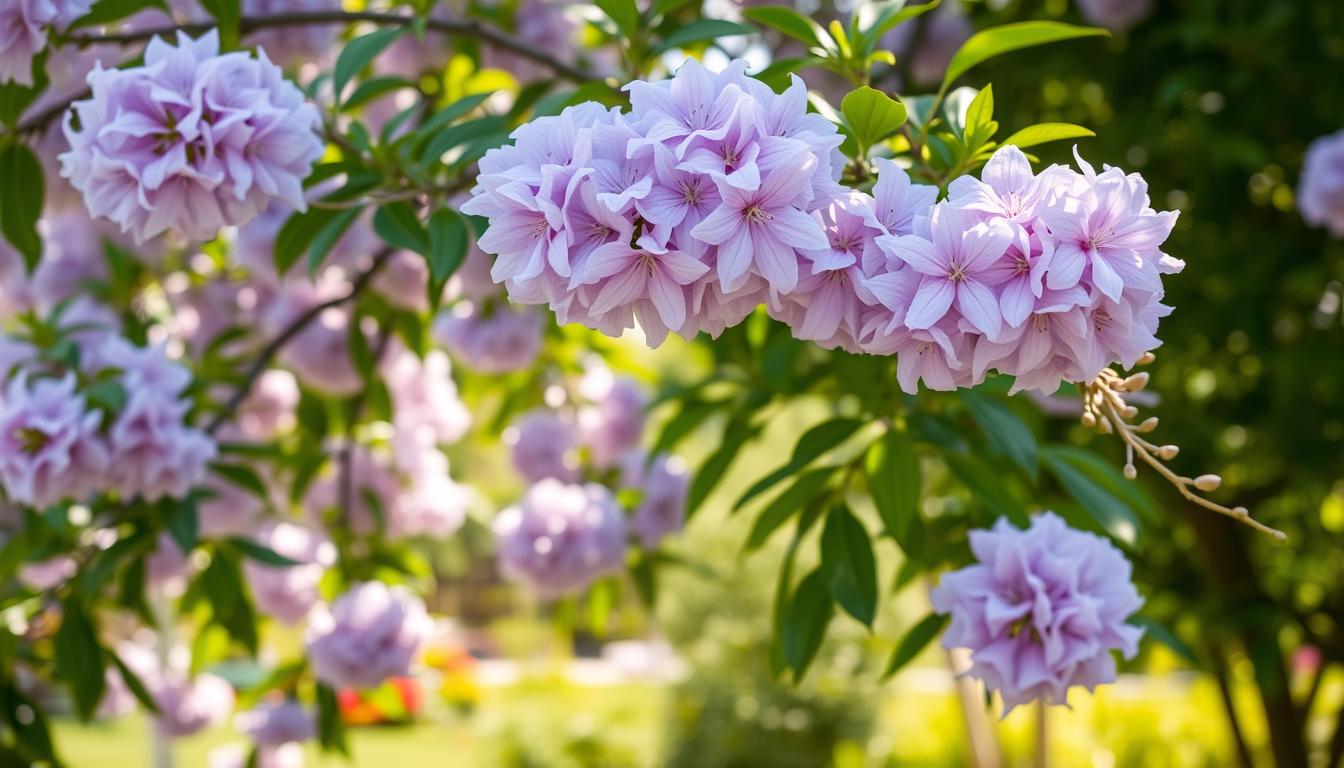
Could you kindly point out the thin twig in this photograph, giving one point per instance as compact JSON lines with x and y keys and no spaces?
{"x":470,"y":28}
{"x":295,"y":327}
{"x":459,"y":28}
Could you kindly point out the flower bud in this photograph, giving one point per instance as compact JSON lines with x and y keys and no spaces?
{"x":1208,"y":483}
{"x":1136,"y":382}
{"x":1168,"y":452}
{"x":1130,"y":472}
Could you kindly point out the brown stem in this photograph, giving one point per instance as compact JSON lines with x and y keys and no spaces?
{"x":273,"y":347}
{"x":470,"y":28}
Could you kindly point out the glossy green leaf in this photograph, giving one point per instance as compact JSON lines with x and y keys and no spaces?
{"x":330,"y":727}
{"x":1004,"y":428}
{"x":327,"y":237}
{"x":807,"y":490}
{"x":894,"y":483}
{"x":1114,"y":515}
{"x":996,"y":41}
{"x":987,"y":486}
{"x":877,"y":19}
{"x":804,"y":622}
{"x":242,"y":476}
{"x":21,"y":196}
{"x":80,"y":660}
{"x":871,"y":115}
{"x":847,"y":558}
{"x":254,"y":551}
{"x":358,"y":53}
{"x":398,"y":226}
{"x":787,"y":21}
{"x":1047,"y":132}
{"x":623,"y":12}
{"x":716,"y":465}
{"x":813,"y":443}
{"x":105,"y":11}
{"x":914,"y":640}
{"x":701,"y":30}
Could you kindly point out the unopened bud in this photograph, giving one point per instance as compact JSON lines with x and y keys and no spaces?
{"x":1147,"y":358}
{"x":1129,"y":412}
{"x":1089,"y":420}
{"x":1148,"y":424}
{"x":1241,"y":512}
{"x":1168,"y":452}
{"x":1130,"y":472}
{"x":1105,"y":426}
{"x":1137,"y":382}
{"x":1208,"y":483}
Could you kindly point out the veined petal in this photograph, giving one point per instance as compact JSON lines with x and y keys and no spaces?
{"x":930,"y":303}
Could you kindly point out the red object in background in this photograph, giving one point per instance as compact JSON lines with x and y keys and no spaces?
{"x":397,"y":701}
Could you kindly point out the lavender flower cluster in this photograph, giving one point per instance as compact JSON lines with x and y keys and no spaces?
{"x":56,"y":445}
{"x":569,"y":530}
{"x":1041,"y":611}
{"x":190,"y":141}
{"x":24,"y":25}
{"x":715,"y":195}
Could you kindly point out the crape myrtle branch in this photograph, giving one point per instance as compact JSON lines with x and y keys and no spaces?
{"x":1105,"y":410}
{"x":273,"y":347}
{"x":459,"y":28}
{"x":470,"y":28}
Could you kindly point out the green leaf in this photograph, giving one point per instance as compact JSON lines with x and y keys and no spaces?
{"x":1114,"y":515}
{"x":183,"y":524}
{"x":461,"y":133}
{"x":623,"y":12}
{"x":358,"y":53}
{"x":1046,"y":132}
{"x":1004,"y":428}
{"x":21,"y":196}
{"x":302,"y":228}
{"x":398,"y":226}
{"x":1161,"y":634}
{"x":105,"y":11}
{"x":847,"y":558}
{"x":804,"y":621}
{"x":79,"y":658}
{"x":702,"y":29}
{"x":877,"y":19}
{"x":264,"y":555}
{"x":996,"y":41}
{"x":448,"y":242}
{"x":107,"y":394}
{"x":914,"y":640}
{"x":327,"y":237}
{"x":812,"y":444}
{"x":986,"y":485}
{"x":894,"y":482}
{"x":978,"y":126}
{"x":330,"y":728}
{"x":692,"y":414}
{"x":871,"y":115}
{"x":789,"y":22}
{"x":134,"y":684}
{"x":735,"y":435}
{"x":242,"y":476}
{"x":222,"y":582}
{"x":228,"y":13}
{"x":807,"y":490}
{"x":449,"y":114}
{"x":32,"y":736}
{"x":373,"y":88}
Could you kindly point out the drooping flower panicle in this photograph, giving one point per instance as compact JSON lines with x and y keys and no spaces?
{"x":715,"y":195}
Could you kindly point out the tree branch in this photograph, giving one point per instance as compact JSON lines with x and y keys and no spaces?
{"x":296,"y":326}
{"x":471,"y":28}
{"x":458,"y":28}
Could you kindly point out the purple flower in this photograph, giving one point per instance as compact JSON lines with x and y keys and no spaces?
{"x":647,"y":280}
{"x":662,"y":509}
{"x":192,"y":140}
{"x":238,"y":756}
{"x":48,"y":574}
{"x":543,"y":445}
{"x":190,"y":705}
{"x":424,"y":395}
{"x":50,"y":447}
{"x":1102,"y":224}
{"x":1116,"y":15}
{"x":404,"y":282}
{"x":560,"y":538}
{"x":613,"y":422}
{"x":1041,"y":610}
{"x":23,"y":33}
{"x":371,"y":633}
{"x":1320,"y":194}
{"x":954,"y":264}
{"x":288,"y":593}
{"x":497,"y":339}
{"x":273,"y":723}
{"x":897,"y":204}
{"x":764,"y":227}
{"x":167,"y":567}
